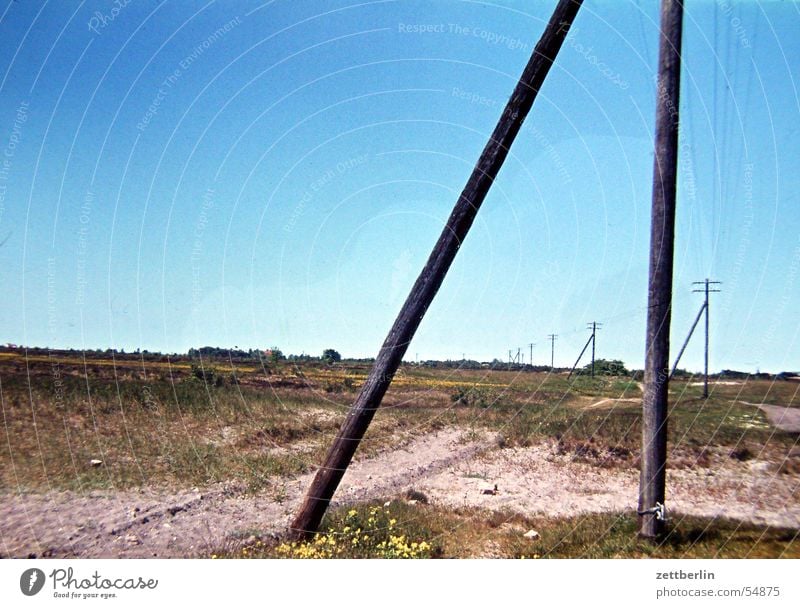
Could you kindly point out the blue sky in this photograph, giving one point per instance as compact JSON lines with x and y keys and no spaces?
{"x":177,"y":174}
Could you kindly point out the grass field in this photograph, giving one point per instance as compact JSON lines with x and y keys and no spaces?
{"x":178,"y":424}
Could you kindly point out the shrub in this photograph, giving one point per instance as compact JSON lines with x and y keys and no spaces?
{"x":471,"y":397}
{"x":332,"y":386}
{"x":604,"y":367}
{"x":329,"y":355}
{"x":206,"y":374}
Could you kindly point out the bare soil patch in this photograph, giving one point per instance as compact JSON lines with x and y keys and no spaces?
{"x":160,"y":523}
{"x":451,"y":468}
{"x":784,"y":418}
{"x":539,"y":480}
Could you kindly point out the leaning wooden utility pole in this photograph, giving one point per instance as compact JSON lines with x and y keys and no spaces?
{"x":578,"y":360}
{"x":652,"y":482}
{"x":686,"y":341}
{"x":430,"y":279}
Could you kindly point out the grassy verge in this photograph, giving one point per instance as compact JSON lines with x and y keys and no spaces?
{"x":450,"y":533}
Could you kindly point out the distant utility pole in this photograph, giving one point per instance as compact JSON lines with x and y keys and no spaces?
{"x":552,"y":338}
{"x":652,"y":480}
{"x":530,"y":361}
{"x":594,"y":326}
{"x":707,"y":291}
{"x":686,"y":341}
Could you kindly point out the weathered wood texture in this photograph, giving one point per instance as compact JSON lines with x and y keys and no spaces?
{"x":652,"y":483}
{"x":430,"y":279}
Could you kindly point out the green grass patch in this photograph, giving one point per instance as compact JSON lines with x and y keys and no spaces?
{"x":470,"y":533}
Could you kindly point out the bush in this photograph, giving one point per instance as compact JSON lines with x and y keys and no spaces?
{"x":471,"y":397}
{"x":206,"y":374}
{"x":603,"y":367}
{"x":346,"y":385}
{"x":331,"y":356}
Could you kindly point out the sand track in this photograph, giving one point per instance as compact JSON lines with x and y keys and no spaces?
{"x":781,"y":417}
{"x":538,"y":480}
{"x":450,"y":466}
{"x":153,"y":523}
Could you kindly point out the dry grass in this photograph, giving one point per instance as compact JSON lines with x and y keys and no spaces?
{"x":156,"y":422}
{"x":162,"y":424}
{"x":149,"y":431}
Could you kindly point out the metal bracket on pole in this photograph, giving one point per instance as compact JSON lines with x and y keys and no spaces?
{"x":660,"y":511}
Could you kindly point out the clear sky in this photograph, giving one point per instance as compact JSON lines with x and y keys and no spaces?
{"x":179,"y":174}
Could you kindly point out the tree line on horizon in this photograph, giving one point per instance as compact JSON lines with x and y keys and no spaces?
{"x":274,"y":355}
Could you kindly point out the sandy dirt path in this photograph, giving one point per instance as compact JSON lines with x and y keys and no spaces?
{"x":450,"y":467}
{"x":610,"y":403}
{"x":537,"y":480}
{"x":785,"y":418}
{"x":152,"y":523}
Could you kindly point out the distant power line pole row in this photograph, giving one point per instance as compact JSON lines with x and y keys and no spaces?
{"x":706,"y":289}
{"x":552,"y":338}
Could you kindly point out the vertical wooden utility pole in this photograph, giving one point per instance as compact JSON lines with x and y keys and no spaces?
{"x":652,"y":482}
{"x":532,"y":344}
{"x":552,"y":349}
{"x":706,"y":289}
{"x":705,"y":351}
{"x":430,"y":279}
{"x":594,"y":325}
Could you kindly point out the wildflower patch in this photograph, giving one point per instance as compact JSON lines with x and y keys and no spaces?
{"x":363,"y":532}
